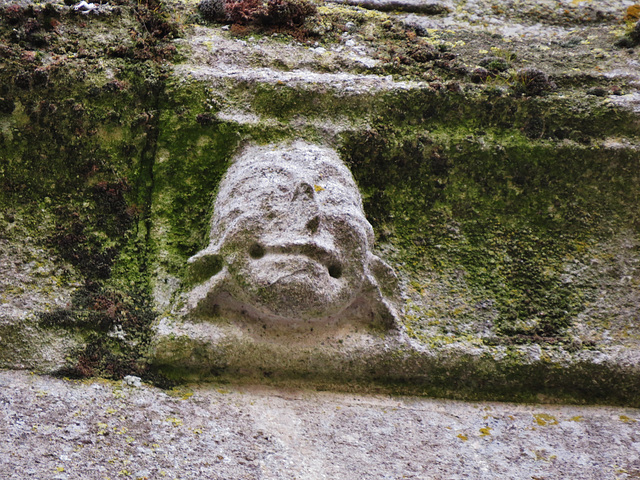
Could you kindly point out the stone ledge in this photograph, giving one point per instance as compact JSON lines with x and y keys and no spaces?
{"x":428,"y":7}
{"x":188,"y":351}
{"x":66,"y":430}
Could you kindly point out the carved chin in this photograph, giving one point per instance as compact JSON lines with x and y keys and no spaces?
{"x":297,"y":287}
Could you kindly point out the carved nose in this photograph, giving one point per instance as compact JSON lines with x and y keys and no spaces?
{"x":313,"y":224}
{"x":306,"y":208}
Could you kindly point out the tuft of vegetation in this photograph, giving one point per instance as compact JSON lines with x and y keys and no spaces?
{"x":244,"y":12}
{"x":632,"y":38}
{"x":287,"y":13}
{"x":531,"y":81}
{"x":495,"y":64}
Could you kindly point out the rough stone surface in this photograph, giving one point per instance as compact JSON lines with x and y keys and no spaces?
{"x":571,"y":45}
{"x":31,"y":282}
{"x":65,"y":430}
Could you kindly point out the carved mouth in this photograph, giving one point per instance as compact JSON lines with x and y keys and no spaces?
{"x":304,"y":272}
{"x":312,"y":251}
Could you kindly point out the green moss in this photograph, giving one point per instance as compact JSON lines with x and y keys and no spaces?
{"x":192,"y":156}
{"x":448,"y":374}
{"x":284,"y":103}
{"x":115,"y":328}
{"x":75,"y":150}
{"x":507,"y":212}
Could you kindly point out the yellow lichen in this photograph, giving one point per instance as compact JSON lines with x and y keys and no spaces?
{"x":543,"y":419}
{"x":176,"y":422}
{"x":102,"y":428}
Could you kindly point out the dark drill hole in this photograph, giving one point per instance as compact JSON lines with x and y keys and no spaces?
{"x":256,"y":251}
{"x":335,"y":271}
{"x":312,"y":225}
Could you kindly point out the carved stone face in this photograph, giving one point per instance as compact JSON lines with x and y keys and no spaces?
{"x":291,"y":234}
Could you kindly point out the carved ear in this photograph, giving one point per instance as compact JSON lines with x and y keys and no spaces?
{"x":385,"y":277}
{"x":203,"y":266}
{"x":381,"y":292}
{"x":206,"y":273}
{"x":203,"y":299}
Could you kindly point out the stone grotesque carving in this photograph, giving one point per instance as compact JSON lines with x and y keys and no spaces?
{"x":289,"y":242}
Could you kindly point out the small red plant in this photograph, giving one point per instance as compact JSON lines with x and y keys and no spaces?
{"x":287,"y":13}
{"x":244,"y":12}
{"x":13,"y":14}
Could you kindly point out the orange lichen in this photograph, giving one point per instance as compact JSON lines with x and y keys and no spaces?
{"x":633,"y":13}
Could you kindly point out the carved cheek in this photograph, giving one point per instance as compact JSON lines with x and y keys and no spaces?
{"x":350,"y":239}
{"x":240,"y":247}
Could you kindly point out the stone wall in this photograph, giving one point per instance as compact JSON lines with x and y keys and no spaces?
{"x":494,"y":145}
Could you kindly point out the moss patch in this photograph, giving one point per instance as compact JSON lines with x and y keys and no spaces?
{"x":506,"y":212}
{"x":77,"y":135}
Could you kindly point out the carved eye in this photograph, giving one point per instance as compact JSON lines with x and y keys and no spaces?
{"x":335,"y":271}
{"x":304,"y":191}
{"x":256,"y":251}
